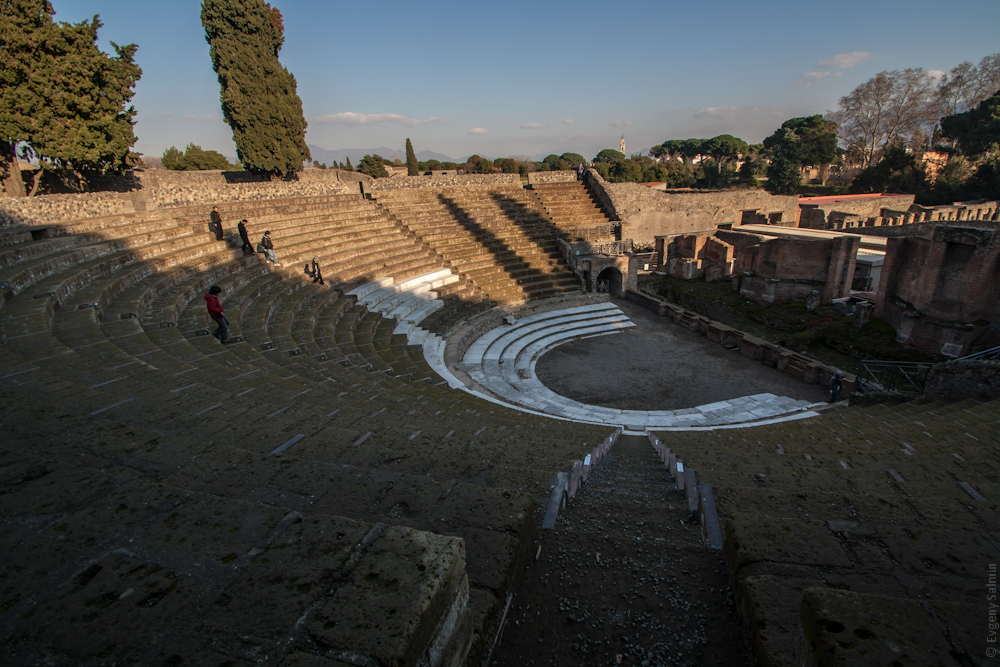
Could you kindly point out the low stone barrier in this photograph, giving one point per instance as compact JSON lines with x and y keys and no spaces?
{"x":566,"y":484}
{"x":800,"y":367}
{"x":551,"y":177}
{"x":424,"y":182}
{"x":699,"y":496}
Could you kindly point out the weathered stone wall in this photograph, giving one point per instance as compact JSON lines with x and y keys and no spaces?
{"x":163,"y":188}
{"x":958,"y":380}
{"x":816,"y":215}
{"x":646,"y":213}
{"x":551,"y":177}
{"x":426,"y":182}
{"x":48,"y":209}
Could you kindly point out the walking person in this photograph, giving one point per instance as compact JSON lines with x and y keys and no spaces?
{"x":836,"y":383}
{"x":215,"y":226}
{"x":216,"y":312}
{"x":317,"y":274}
{"x":267,"y":248}
{"x":579,"y":171}
{"x":245,"y":235}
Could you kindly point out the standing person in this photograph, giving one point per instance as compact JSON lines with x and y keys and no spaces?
{"x":836,"y":383}
{"x":216,"y":312}
{"x":317,"y":274}
{"x":215,"y":226}
{"x":267,"y":248}
{"x":579,"y":171}
{"x":247,"y":246}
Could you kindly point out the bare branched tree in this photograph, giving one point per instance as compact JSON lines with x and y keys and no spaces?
{"x":892,"y":107}
{"x":966,"y":85}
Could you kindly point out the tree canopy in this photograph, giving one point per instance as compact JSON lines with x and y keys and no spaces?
{"x":371,"y":165}
{"x":609,"y":155}
{"x":890,"y":107}
{"x":976,"y":131}
{"x":194,"y":158}
{"x":61,"y":98}
{"x":259,"y":98}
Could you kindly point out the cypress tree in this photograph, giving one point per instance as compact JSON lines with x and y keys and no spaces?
{"x":61,"y":95}
{"x":347,"y":165}
{"x":411,"y":160}
{"x":259,"y":98}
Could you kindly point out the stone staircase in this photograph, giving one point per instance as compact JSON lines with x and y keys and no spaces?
{"x":575,"y":211}
{"x":495,"y":237}
{"x":860,"y":537}
{"x":167,"y":499}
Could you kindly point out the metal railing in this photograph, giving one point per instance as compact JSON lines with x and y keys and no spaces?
{"x":906,"y":377}
{"x":985,"y":355}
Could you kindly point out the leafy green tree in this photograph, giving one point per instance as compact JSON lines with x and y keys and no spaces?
{"x":819,"y":142}
{"x":484,"y":166}
{"x":552,"y":161}
{"x":725,"y":148}
{"x":784,"y":171}
{"x":508,"y":166}
{"x":412,"y":169}
{"x":897,"y":171}
{"x":61,"y":98}
{"x":609,"y":155}
{"x":347,"y":164}
{"x":433,"y":165}
{"x":259,"y":98}
{"x":173,"y":159}
{"x":574,"y":159}
{"x":373,"y":165}
{"x":976,"y":130}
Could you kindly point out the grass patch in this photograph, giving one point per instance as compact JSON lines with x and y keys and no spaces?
{"x":824,"y":334}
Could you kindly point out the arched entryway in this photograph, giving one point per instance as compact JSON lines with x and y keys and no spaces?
{"x":609,"y":281}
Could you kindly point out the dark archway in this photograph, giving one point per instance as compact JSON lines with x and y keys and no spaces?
{"x":609,"y":280}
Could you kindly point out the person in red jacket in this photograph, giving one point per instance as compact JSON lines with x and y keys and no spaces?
{"x":216,"y":312}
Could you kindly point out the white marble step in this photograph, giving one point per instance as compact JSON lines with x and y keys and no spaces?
{"x":366,"y":289}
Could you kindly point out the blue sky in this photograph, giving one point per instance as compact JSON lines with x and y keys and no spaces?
{"x":533,"y":78}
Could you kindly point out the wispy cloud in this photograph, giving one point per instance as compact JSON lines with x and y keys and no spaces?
{"x":531,"y":126}
{"x":213,"y":116}
{"x":569,"y":121}
{"x":812,"y":78}
{"x":191,"y":116}
{"x":165,"y":113}
{"x":352,"y":118}
{"x":478,"y":130}
{"x":621,"y":123}
{"x":743,"y":112}
{"x":846,"y":60}
{"x":935,"y":74}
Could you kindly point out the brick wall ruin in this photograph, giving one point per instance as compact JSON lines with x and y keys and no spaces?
{"x":879,"y":211}
{"x":551,"y":177}
{"x":816,"y":211}
{"x":940,"y":292}
{"x":427,"y":182}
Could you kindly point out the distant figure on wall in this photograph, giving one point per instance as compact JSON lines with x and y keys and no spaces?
{"x":245,"y":235}
{"x":317,"y":274}
{"x":215,"y":225}
{"x":265,"y":246}
{"x":836,"y":383}
{"x":580,"y":169}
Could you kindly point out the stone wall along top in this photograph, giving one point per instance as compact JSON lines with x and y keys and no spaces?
{"x":215,"y":193}
{"x":425,"y":182}
{"x":647,"y":213}
{"x":166,"y":178}
{"x":49,"y":209}
{"x":551,"y":177}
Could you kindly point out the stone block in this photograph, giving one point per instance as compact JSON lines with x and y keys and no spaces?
{"x":845,"y":627}
{"x":708,"y":516}
{"x":752,"y":539}
{"x":679,"y":474}
{"x":691,"y":489}
{"x":395,"y":598}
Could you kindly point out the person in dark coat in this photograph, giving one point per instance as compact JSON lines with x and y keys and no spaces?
{"x":215,"y":226}
{"x":245,"y":235}
{"x":216,"y":312}
{"x":836,"y":384}
{"x":316,"y":272}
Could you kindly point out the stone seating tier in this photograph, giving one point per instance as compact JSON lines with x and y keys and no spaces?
{"x":880,"y":506}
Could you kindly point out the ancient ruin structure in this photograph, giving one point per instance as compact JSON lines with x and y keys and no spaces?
{"x":354,"y":479}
